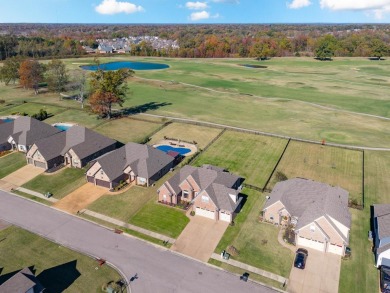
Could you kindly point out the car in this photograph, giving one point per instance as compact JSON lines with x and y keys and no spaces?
{"x":300,"y":258}
{"x":244,"y":277}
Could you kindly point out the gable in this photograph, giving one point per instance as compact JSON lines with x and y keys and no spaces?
{"x":31,"y":151}
{"x":204,"y":200}
{"x":93,"y":169}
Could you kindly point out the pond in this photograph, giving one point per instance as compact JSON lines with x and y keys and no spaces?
{"x":125,"y":65}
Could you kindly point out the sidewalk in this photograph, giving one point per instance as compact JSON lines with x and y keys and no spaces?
{"x":128,"y":226}
{"x":37,"y":194}
{"x":249,"y":268}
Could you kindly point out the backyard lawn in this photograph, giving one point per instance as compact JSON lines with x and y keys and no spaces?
{"x":31,"y":109}
{"x":10,"y":163}
{"x":335,"y":166}
{"x":188,"y":132}
{"x":57,"y":268}
{"x":250,"y":156}
{"x":128,"y":130}
{"x":80,"y":117}
{"x":59,"y":184}
{"x":256,"y":242}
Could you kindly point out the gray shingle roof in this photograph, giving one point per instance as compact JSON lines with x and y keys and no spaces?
{"x":382,"y":215}
{"x":22,"y":282}
{"x":308,"y":200}
{"x":6,"y":129}
{"x":144,"y":160}
{"x":83,"y":141}
{"x":27,"y":130}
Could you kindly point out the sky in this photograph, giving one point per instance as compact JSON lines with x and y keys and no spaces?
{"x":208,"y":11}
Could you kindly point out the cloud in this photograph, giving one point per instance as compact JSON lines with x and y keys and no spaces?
{"x":355,"y":4}
{"x":114,"y":7}
{"x":227,"y":1}
{"x":196,"y":5}
{"x":199,"y":15}
{"x":296,"y":4}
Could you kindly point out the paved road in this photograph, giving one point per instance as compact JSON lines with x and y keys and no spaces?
{"x":158,"y":270}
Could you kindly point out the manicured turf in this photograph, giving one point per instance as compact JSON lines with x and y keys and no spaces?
{"x":126,"y":130}
{"x":57,"y":268}
{"x":59,"y":184}
{"x":188,"y":132}
{"x":31,"y":109}
{"x":161,"y":219}
{"x":335,"y":166}
{"x":10,"y":163}
{"x":247,"y":236}
{"x":79,"y":117}
{"x":250,"y":156}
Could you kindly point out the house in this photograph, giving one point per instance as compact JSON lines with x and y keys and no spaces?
{"x":6,"y":129}
{"x":105,"y":49}
{"x":213,"y":191}
{"x":23,"y":281}
{"x":24,"y":131}
{"x":75,"y":147}
{"x":381,"y":233}
{"x":318,"y":212}
{"x":133,"y":162}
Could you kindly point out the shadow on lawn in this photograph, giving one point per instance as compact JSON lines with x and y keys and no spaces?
{"x":143,"y":108}
{"x":59,"y":278}
{"x":243,"y":201}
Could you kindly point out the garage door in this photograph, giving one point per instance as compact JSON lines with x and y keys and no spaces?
{"x":336,"y":249}
{"x":311,"y":243}
{"x":205,"y":213}
{"x":91,"y":179}
{"x":40,"y":164}
{"x":225,"y":217}
{"x":103,"y":183}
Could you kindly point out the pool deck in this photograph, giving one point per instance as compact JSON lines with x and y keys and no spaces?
{"x":178,"y":144}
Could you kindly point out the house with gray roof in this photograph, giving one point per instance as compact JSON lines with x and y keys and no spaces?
{"x":23,"y":281}
{"x":133,"y":162}
{"x":75,"y":147}
{"x":24,"y":131}
{"x":6,"y":130}
{"x":381,"y":233}
{"x":213,"y":191}
{"x":319,"y":213}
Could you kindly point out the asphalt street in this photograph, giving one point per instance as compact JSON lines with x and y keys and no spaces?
{"x":158,"y":270}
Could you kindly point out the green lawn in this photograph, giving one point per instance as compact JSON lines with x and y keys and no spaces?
{"x":31,"y":109}
{"x":57,"y":268}
{"x":79,"y":117}
{"x":250,"y":156}
{"x":59,"y":184}
{"x":247,"y":236}
{"x":10,"y":163}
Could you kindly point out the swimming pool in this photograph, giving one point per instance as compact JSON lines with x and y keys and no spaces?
{"x":125,"y":64}
{"x":6,"y":120}
{"x":62,"y":126}
{"x":167,"y":148}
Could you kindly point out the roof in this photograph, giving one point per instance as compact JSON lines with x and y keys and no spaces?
{"x":83,"y":141}
{"x":144,"y":160}
{"x":6,"y":129}
{"x":214,"y":180}
{"x":382,"y":215}
{"x":308,"y":200}
{"x":27,"y":130}
{"x":22,"y":282}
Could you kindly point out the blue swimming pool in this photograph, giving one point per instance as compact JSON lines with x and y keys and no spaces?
{"x":6,"y":120}
{"x":125,"y":64}
{"x":167,"y":148}
{"x":62,"y":127}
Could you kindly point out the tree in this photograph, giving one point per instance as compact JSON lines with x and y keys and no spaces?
{"x":57,"y":76}
{"x":108,"y":88}
{"x":80,"y":86}
{"x":378,"y":48}
{"x":31,"y":74}
{"x":10,"y":70}
{"x":325,"y":47}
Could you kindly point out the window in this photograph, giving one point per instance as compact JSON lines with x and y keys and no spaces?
{"x":312,"y":228}
{"x":165,"y":197}
{"x":185,"y":193}
{"x":205,"y":199}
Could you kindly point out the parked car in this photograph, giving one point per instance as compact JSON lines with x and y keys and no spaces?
{"x":244,"y":277}
{"x":300,"y":258}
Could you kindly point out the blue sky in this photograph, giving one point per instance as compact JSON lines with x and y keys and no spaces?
{"x":209,"y":11}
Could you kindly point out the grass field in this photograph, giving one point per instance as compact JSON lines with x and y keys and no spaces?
{"x":188,"y":132}
{"x":57,"y":268}
{"x":79,"y":117}
{"x":335,"y":166}
{"x":59,"y":184}
{"x":250,"y":156}
{"x":10,"y":163}
{"x":247,"y":235}
{"x":31,"y":109}
{"x":126,"y":130}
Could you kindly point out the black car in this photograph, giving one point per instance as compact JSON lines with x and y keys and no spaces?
{"x":244,"y":277}
{"x":300,"y":258}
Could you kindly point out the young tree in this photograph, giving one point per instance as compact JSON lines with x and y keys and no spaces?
{"x":378,"y":48}
{"x":325,"y":47}
{"x":80,"y":86}
{"x":10,"y":70}
{"x":31,"y":74}
{"x":57,"y":76}
{"x":108,"y":88}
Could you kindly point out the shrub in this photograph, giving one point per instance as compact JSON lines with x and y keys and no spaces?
{"x":192,"y":213}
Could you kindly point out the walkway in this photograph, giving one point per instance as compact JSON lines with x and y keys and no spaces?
{"x":128,"y":226}
{"x":283,"y":243}
{"x":249,"y":268}
{"x":158,"y":269}
{"x":36,"y":194}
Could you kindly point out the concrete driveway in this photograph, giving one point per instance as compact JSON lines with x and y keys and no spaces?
{"x":20,"y":177}
{"x":200,"y":238}
{"x":321,"y":274}
{"x":80,"y":198}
